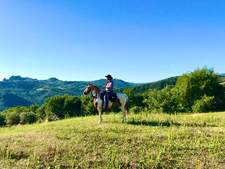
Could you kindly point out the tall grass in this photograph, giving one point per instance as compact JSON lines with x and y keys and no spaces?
{"x":144,"y":141}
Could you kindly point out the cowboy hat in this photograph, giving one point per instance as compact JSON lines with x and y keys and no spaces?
{"x":109,"y":76}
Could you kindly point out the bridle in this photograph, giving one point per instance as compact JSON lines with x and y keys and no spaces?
{"x":94,"y":93}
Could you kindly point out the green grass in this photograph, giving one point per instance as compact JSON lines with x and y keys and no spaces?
{"x":144,"y":141}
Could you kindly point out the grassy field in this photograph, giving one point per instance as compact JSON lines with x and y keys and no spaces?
{"x":144,"y":141}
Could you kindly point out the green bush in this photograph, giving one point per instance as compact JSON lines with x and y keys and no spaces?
{"x":27,"y":118}
{"x":12,"y":118}
{"x":193,"y":86}
{"x":41,"y":113}
{"x":205,"y":104}
{"x":87,"y":106}
{"x":198,"y":91}
{"x":2,"y":120}
{"x":61,"y":106}
{"x":136,"y":109}
{"x":161,"y":100}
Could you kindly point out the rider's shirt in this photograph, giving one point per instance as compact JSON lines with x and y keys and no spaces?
{"x":109,"y":85}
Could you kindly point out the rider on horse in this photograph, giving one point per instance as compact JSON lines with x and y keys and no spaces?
{"x":109,"y":89}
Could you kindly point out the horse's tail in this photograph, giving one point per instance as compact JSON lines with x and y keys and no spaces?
{"x":126,"y":106}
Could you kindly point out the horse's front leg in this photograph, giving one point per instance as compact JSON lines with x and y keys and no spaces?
{"x":100,"y":117}
{"x":99,"y":112}
{"x":99,"y":108}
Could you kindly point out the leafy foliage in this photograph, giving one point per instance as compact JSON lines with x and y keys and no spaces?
{"x":2,"y":120}
{"x":12,"y":118}
{"x":193,"y":86}
{"x":205,"y":104}
{"x":161,"y":100}
{"x":136,"y":109}
{"x":197,"y":91}
{"x":18,"y":110}
{"x":41,"y":113}
{"x":63,"y":106}
{"x":87,"y":106}
{"x":27,"y":118}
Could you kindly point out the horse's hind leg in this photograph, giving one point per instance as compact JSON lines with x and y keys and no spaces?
{"x":123,"y":110}
{"x":100,"y":117}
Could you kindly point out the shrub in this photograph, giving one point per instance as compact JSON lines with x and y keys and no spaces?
{"x":27,"y":118}
{"x":12,"y":118}
{"x":2,"y":120}
{"x":41,"y":113}
{"x":193,"y":86}
{"x":60,"y":106}
{"x":87,"y":106}
{"x":205,"y":104}
{"x":136,"y":109}
{"x":161,"y":100}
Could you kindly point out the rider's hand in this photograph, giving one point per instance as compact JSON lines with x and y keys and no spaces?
{"x":104,"y":86}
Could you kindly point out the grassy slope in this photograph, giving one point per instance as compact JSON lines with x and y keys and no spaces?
{"x":149,"y":141}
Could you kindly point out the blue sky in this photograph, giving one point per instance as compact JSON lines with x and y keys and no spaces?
{"x":133,"y":40}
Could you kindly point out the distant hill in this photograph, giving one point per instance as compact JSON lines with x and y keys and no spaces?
{"x":154,"y":85}
{"x":20,"y":91}
{"x":18,"y":78}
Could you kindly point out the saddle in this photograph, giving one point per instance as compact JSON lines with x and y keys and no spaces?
{"x":112,"y":97}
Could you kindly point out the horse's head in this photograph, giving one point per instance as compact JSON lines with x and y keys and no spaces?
{"x":89,"y":88}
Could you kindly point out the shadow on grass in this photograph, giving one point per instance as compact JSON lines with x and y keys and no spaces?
{"x":153,"y":123}
{"x":167,"y":124}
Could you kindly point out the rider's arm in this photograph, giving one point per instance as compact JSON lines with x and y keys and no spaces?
{"x":109,"y":85}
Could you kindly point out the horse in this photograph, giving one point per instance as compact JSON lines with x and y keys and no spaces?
{"x":122,"y":101}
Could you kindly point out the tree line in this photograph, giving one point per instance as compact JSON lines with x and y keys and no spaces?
{"x":198,"y":91}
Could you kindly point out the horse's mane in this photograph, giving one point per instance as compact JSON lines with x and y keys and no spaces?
{"x":98,"y":90}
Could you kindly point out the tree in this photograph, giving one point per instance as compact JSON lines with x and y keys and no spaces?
{"x":33,"y":108}
{"x":42,"y":114}
{"x":130,"y":95}
{"x":72,"y":106}
{"x":138,"y":100}
{"x":193,"y":86}
{"x":2,"y":120}
{"x":205,"y":104}
{"x":87,"y":106}
{"x":63,"y":106}
{"x":17,"y":109}
{"x":12,"y":118}
{"x":198,"y":91}
{"x":27,"y":117}
{"x":161,"y":100}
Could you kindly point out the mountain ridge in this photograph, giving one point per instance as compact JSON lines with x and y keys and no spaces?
{"x":20,"y":91}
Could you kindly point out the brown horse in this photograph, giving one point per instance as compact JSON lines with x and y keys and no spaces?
{"x":122,"y":101}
